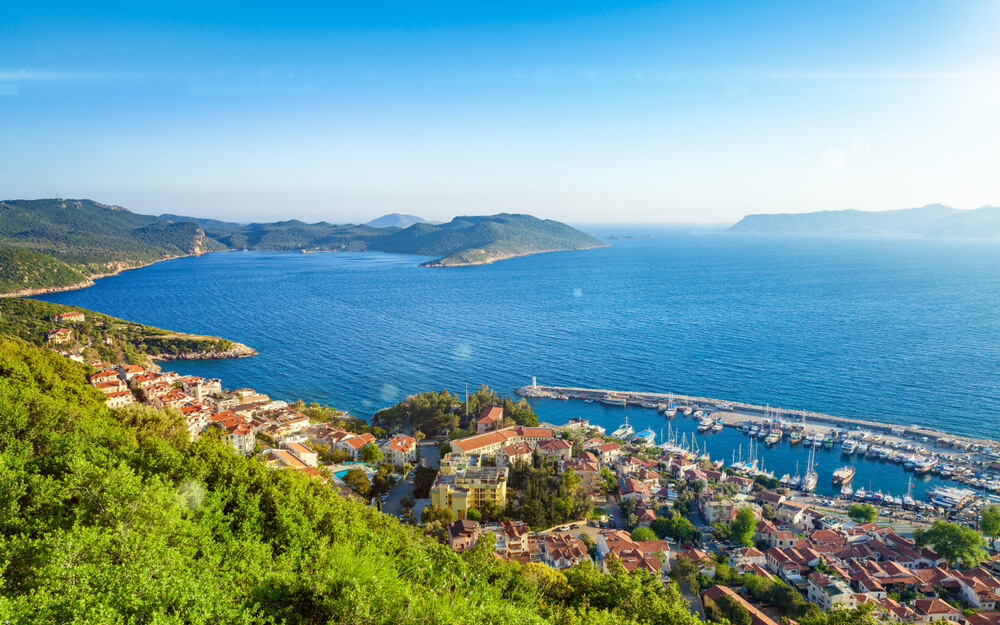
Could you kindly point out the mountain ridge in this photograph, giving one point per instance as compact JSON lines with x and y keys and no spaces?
{"x":931,"y":220}
{"x":96,"y":240}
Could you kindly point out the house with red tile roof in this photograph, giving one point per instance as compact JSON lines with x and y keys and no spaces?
{"x":400,"y":449}
{"x":934,"y":609}
{"x":558,"y":449}
{"x":490,"y":419}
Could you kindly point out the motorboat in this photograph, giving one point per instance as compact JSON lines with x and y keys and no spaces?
{"x":849,"y":446}
{"x":645,"y":437}
{"x":624,"y":431}
{"x":844,"y":474}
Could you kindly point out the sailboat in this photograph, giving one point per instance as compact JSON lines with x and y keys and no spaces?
{"x":811,"y":477}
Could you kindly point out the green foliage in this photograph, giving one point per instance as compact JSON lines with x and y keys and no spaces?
{"x":30,"y":320}
{"x":113,"y":517}
{"x":432,"y":514}
{"x":733,"y":611}
{"x":548,"y":499}
{"x":428,"y":412}
{"x":862,"y":513}
{"x":94,"y":238}
{"x":676,"y":527}
{"x":989,"y":523}
{"x":423,"y":480}
{"x":742,"y":527}
{"x":768,"y":512}
{"x":955,"y":543}
{"x":516,"y":410}
{"x":371,"y":454}
{"x":357,"y":481}
{"x":22,"y":269}
{"x":642,"y":534}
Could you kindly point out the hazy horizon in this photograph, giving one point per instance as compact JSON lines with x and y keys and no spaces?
{"x":651,"y":112}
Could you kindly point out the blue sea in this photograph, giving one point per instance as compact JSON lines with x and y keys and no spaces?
{"x":901,"y":330}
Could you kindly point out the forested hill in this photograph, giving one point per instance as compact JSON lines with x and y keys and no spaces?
{"x":74,"y":240}
{"x":97,"y":239}
{"x":934,"y":220}
{"x":115,"y":516}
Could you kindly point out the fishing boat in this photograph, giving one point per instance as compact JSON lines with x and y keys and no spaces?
{"x":670,"y":412}
{"x":809,"y":439}
{"x":846,"y":491}
{"x":860,"y":494}
{"x":624,"y":431}
{"x":844,"y":474}
{"x":795,"y":437}
{"x":705,"y":424}
{"x":774,"y":436}
{"x":686,"y":411}
{"x":754,"y":429}
{"x":849,"y":446}
{"x":648,"y":404}
{"x":645,"y":437}
{"x":828,"y":441}
{"x":718,"y":426}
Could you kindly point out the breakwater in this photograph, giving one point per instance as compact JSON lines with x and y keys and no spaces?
{"x":796,"y":415}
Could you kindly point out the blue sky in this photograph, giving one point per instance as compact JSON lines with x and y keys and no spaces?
{"x":643,"y":112}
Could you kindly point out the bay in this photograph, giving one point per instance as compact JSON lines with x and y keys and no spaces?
{"x":900,"y":330}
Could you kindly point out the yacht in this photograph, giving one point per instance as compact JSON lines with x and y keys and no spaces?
{"x":645,"y":437}
{"x":624,"y":431}
{"x":844,"y":474}
{"x":849,"y":446}
{"x":923,"y":465}
{"x":862,"y":448}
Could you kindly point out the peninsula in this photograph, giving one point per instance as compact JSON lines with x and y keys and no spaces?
{"x":55,"y":244}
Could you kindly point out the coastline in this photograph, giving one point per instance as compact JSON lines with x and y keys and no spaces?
{"x":90,"y":279}
{"x":553,"y":392}
{"x":438,"y":264}
{"x":238,"y":350}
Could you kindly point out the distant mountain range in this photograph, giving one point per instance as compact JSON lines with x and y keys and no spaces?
{"x":933,"y":220}
{"x":398,"y":220}
{"x":55,"y":243}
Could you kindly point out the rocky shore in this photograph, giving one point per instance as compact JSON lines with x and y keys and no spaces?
{"x":238,"y":350}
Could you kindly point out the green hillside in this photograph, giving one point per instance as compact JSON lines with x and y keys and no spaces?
{"x":114,"y":516}
{"x":97,"y":238}
{"x":101,"y":337}
{"x":22,"y":269}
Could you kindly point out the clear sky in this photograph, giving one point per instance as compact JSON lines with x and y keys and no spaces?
{"x":644,"y":112}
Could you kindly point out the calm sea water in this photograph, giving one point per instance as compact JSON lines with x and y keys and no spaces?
{"x":898,"y":330}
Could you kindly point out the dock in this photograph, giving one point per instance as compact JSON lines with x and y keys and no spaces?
{"x":733,"y":413}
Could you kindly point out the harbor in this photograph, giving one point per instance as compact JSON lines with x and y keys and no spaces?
{"x":877,"y":463}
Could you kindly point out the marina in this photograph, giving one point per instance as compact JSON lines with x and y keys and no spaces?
{"x":839,"y":458}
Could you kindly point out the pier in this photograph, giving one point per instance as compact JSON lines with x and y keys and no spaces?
{"x":733,"y":413}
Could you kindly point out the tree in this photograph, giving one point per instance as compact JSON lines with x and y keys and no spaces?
{"x":733,"y":611}
{"x":358,"y":481}
{"x":407,"y":501}
{"x":432,"y":514}
{"x":768,"y":512}
{"x":743,"y":527}
{"x":989,"y":524}
{"x":642,"y":534}
{"x":473,"y":514}
{"x":955,"y":543}
{"x":862,"y":513}
{"x":371,"y":454}
{"x":684,"y":569}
